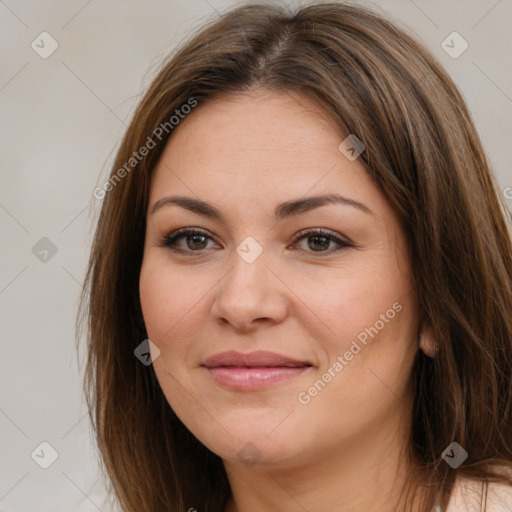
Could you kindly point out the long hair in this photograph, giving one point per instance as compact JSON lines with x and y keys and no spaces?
{"x":378,"y":82}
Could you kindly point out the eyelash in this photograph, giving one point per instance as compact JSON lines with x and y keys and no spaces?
{"x":170,"y":240}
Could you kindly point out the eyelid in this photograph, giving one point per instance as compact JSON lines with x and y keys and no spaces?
{"x":342,"y":241}
{"x":165,"y":240}
{"x":324,"y":231}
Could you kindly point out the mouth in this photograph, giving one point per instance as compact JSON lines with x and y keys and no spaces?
{"x":253,"y":371}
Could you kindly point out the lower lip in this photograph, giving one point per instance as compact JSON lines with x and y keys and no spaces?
{"x":254,"y":378}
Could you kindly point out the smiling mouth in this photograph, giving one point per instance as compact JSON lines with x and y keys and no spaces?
{"x":253,"y":371}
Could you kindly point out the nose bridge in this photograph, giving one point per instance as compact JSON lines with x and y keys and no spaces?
{"x":249,"y":290}
{"x":249,"y":266}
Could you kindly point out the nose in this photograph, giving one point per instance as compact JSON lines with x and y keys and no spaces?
{"x":251,"y":294}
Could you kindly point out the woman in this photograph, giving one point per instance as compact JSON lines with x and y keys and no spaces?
{"x":301,"y":233}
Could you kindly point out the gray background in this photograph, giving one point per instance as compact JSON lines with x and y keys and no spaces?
{"x":61,"y":121}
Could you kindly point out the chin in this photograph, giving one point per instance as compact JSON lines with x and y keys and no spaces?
{"x":257,"y":453}
{"x":256,"y":444}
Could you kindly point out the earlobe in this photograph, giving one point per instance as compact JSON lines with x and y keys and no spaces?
{"x":427,"y":344}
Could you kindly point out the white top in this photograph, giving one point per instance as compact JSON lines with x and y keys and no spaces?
{"x":467,"y":494}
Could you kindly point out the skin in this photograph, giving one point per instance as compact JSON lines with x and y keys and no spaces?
{"x":344,"y":450}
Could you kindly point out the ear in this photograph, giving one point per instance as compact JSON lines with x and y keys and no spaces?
{"x":427,"y":343}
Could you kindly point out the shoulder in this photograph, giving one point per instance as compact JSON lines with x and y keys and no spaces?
{"x":467,"y":496}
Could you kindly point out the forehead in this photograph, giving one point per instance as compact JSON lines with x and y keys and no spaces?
{"x":260,"y":148}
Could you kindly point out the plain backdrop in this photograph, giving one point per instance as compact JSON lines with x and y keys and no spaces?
{"x":62,"y":118}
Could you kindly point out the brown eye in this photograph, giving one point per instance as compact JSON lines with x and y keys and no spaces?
{"x":319,"y":240}
{"x":195,"y":240}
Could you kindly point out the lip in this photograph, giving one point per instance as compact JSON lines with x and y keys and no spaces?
{"x":253,"y":371}
{"x":258,"y":358}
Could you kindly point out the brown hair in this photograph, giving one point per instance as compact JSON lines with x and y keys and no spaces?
{"x":422,"y":150}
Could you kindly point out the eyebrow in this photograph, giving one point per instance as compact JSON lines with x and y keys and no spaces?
{"x":281,"y":211}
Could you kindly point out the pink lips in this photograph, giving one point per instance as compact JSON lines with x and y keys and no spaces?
{"x":253,"y":371}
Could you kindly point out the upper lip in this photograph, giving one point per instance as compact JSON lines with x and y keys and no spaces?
{"x":259,"y":358}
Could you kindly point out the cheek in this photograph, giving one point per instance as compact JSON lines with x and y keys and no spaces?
{"x":175,"y":309}
{"x":155,"y":301}
{"x":167,"y":301}
{"x":166,"y":297}
{"x":352,"y":302}
{"x":370,"y":315}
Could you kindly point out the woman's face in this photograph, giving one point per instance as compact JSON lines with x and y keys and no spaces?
{"x":334,"y":309}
